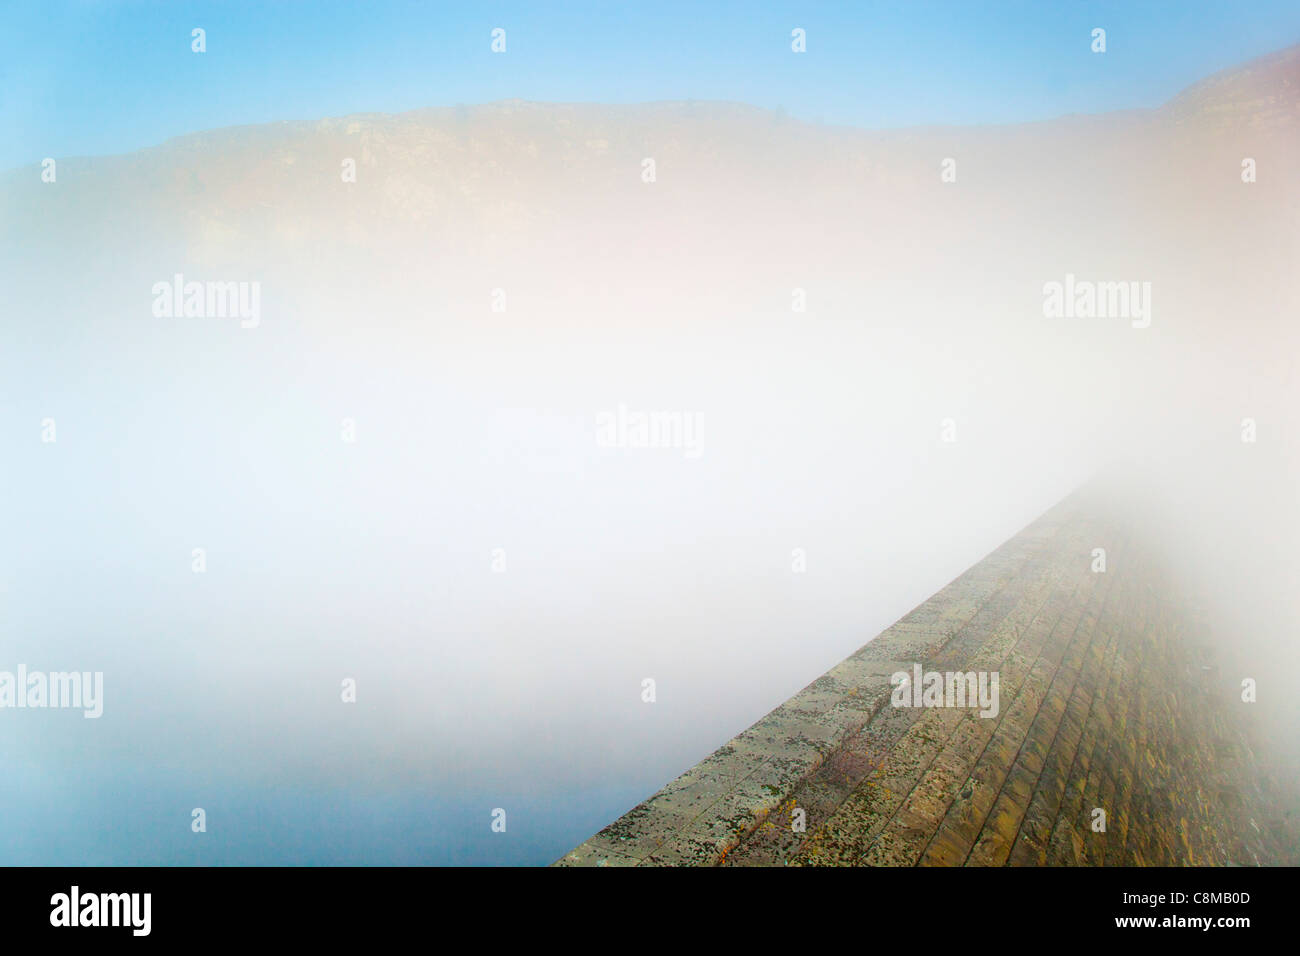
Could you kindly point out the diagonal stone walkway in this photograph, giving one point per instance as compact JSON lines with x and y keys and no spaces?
{"x":1101,"y":710}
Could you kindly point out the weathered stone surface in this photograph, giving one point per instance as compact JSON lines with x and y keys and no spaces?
{"x":1099,"y":710}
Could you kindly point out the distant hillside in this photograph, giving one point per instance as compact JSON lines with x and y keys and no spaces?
{"x":1263,"y":93}
{"x":499,"y":177}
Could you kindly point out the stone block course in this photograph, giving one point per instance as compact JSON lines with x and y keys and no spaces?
{"x":1099,"y":708}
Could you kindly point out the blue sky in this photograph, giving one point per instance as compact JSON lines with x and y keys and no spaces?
{"x":95,"y":77}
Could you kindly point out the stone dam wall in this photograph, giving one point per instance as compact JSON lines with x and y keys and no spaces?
{"x":1107,"y":704}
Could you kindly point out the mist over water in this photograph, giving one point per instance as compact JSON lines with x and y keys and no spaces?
{"x":496,"y":578}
